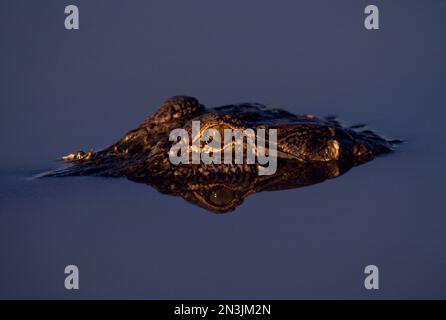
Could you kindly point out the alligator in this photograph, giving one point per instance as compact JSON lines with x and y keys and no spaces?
{"x":310,"y":150}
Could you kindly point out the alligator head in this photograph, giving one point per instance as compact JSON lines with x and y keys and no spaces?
{"x":308,"y":150}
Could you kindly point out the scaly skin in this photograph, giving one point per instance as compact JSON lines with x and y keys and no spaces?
{"x":310,"y":150}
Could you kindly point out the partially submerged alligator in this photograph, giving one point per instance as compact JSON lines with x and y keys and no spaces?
{"x":309,"y":150}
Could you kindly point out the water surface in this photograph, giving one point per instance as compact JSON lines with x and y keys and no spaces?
{"x":63,"y":91}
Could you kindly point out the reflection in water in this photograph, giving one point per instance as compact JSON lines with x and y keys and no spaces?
{"x":218,"y":192}
{"x":219,"y":195}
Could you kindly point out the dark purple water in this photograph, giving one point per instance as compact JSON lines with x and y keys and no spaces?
{"x":62,"y":91}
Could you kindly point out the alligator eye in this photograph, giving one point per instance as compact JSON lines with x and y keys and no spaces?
{"x":222,"y":196}
{"x":219,"y":127}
